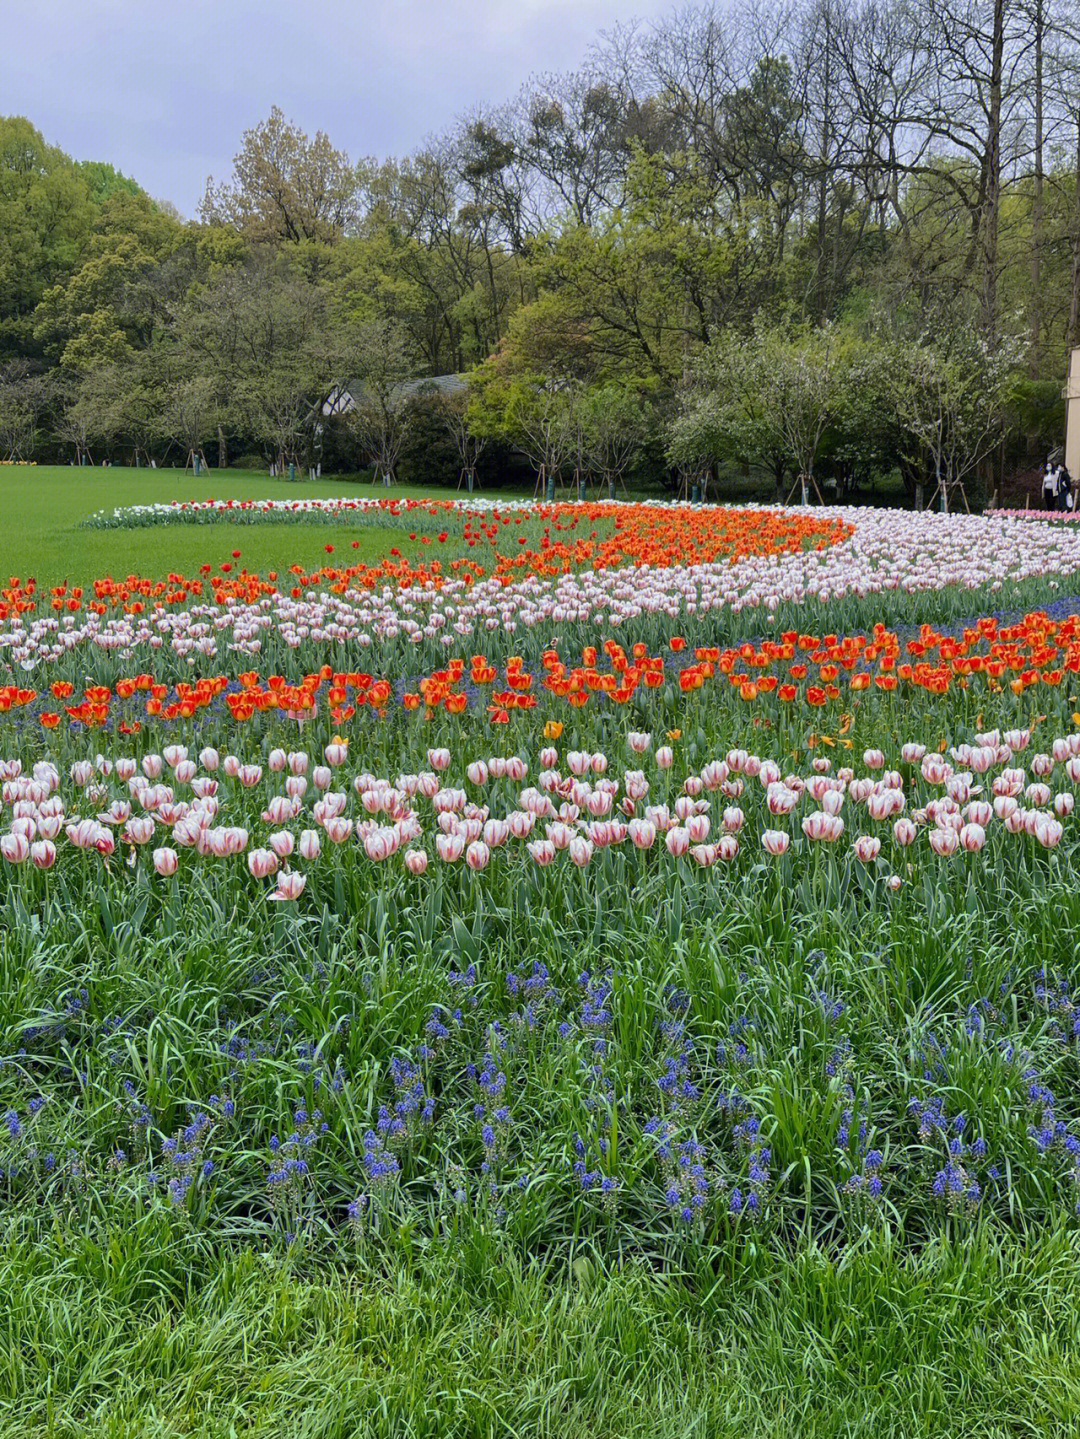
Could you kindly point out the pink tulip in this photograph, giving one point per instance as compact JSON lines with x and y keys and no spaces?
{"x":380,"y":844}
{"x":979,"y":812}
{"x":450,"y":847}
{"x":935,"y":770}
{"x":152,"y":766}
{"x":981,"y":760}
{"x":496,"y":832}
{"x":165,"y":861}
{"x":276,"y":761}
{"x":598,"y":763}
{"x":972,"y":837}
{"x":775,"y":841}
{"x":944,"y":842}
{"x":516,"y":768}
{"x":209,"y":759}
{"x":894,"y":882}
{"x":282,"y":843}
{"x":336,"y":754}
{"x":822,"y":826}
{"x":521,"y":823}
{"x":297,"y":761}
{"x":1048,"y":831}
{"x":15,"y":848}
{"x":477,"y":855}
{"x":439,"y":759}
{"x":125,"y":768}
{"x":416,"y":861}
{"x":714,"y":774}
{"x":140,"y":830}
{"x":665,"y":756}
{"x":296,"y":786}
{"x":727,"y":847}
{"x":262,"y":863}
{"x":580,"y":851}
{"x":549,"y":758}
{"x":82,"y":772}
{"x":321,"y":777}
{"x":639,"y":742}
{"x":642,"y":833}
{"x":677,"y":841}
{"x":249,"y":775}
{"x":542,"y":851}
{"x":912,"y":753}
{"x":43,"y":854}
{"x":635,"y":785}
{"x":477,"y":773}
{"x":873,"y":759}
{"x":704,"y":855}
{"x":733,"y":820}
{"x":779,"y":799}
{"x":310,"y":845}
{"x":1063,"y":805}
{"x":904,"y":831}
{"x":698,"y":826}
{"x":1038,"y":795}
{"x":867,"y":848}
{"x":290,"y":885}
{"x":338,"y":828}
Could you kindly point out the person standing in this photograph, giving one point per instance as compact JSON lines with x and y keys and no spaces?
{"x":1064,"y":489}
{"x":1049,"y":487}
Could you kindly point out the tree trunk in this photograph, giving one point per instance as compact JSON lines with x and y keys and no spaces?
{"x":1037,"y":196}
{"x":223,"y":450}
{"x":992,"y":203}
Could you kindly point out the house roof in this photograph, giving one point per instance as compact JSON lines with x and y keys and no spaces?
{"x":344,"y":398}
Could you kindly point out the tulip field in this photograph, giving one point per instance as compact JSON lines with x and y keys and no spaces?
{"x":544,"y":969}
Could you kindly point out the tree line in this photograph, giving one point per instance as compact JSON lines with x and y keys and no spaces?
{"x":827,"y":240}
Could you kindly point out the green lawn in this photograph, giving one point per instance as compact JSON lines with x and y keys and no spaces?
{"x":45,"y":505}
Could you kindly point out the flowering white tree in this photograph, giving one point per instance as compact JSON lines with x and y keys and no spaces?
{"x":950,"y":398}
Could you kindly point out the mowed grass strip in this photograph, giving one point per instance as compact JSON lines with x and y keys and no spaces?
{"x":45,"y":507}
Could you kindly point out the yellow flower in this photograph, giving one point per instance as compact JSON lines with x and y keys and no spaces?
{"x":553,"y":729}
{"x":674,"y":734}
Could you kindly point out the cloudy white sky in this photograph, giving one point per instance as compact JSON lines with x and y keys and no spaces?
{"x":164,"y":90}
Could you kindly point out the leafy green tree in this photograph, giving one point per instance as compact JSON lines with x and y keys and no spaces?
{"x":616,"y":422}
{"x":286,"y":188}
{"x":46,"y":214}
{"x":23,"y":397}
{"x":117,"y":298}
{"x":378,"y":354}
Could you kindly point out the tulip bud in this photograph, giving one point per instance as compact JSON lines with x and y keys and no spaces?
{"x":165,"y":861}
{"x":416,"y":861}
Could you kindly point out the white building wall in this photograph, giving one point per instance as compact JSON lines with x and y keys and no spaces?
{"x":1072,"y":416}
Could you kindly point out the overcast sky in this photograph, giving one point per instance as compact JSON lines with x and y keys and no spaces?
{"x":165,"y":91}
